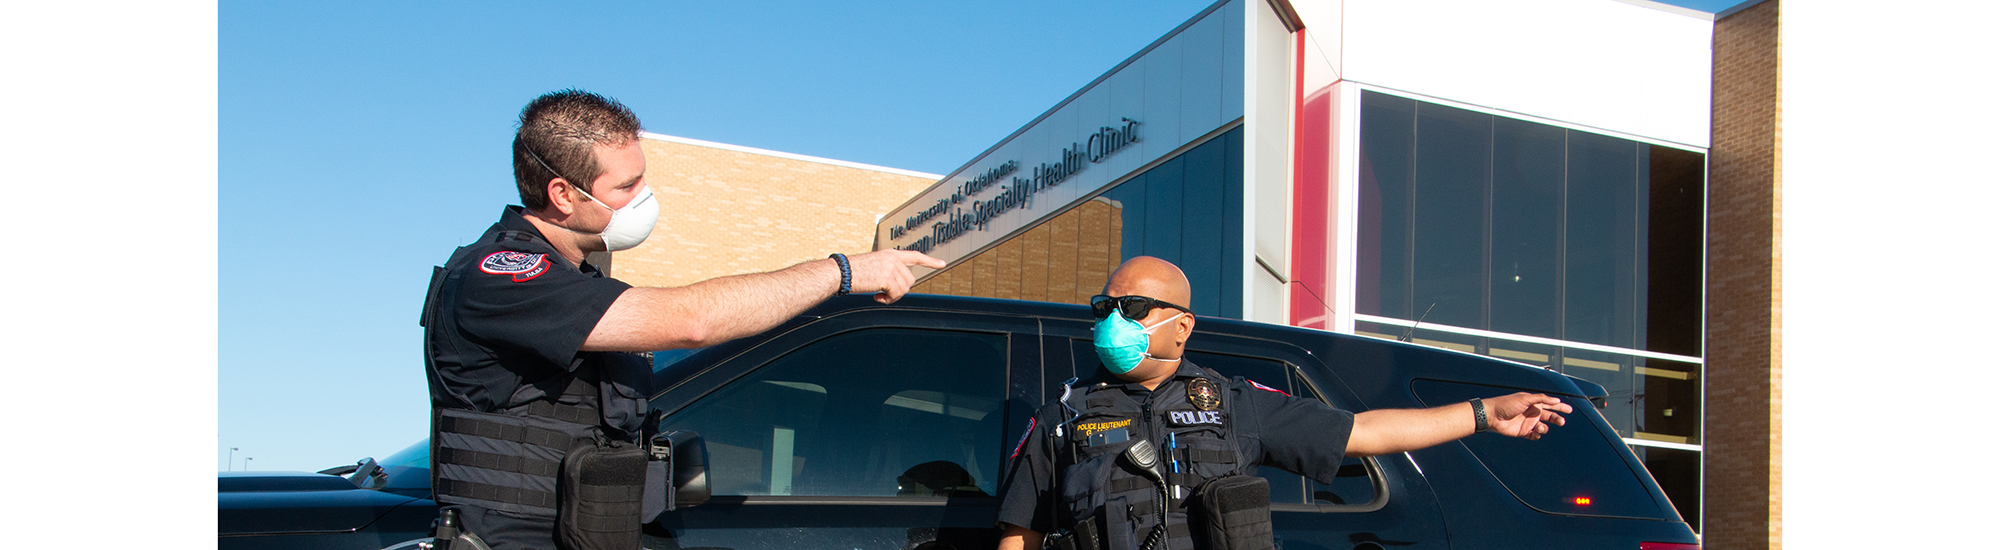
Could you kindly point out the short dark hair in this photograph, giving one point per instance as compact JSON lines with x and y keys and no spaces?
{"x":563,"y":129}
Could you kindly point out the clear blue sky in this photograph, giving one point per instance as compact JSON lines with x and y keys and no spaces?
{"x":361,"y":141}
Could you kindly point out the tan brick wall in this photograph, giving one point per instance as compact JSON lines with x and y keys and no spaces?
{"x":1066,"y":259}
{"x":727,"y":212}
{"x":1742,"y":469}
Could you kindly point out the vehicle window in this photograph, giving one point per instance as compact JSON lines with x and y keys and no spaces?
{"x":1578,"y":468}
{"x":878,"y":412}
{"x":664,"y":358}
{"x":1352,"y":485}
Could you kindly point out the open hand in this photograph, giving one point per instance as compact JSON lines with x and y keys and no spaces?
{"x":1526,"y":415}
{"x":887,"y":272}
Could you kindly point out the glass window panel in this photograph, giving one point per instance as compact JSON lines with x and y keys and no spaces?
{"x":1452,"y":162}
{"x":1183,"y":211}
{"x":788,"y":427}
{"x":1600,"y":272}
{"x":1205,"y":179}
{"x":1678,"y":472}
{"x":1669,"y":401}
{"x":1674,"y":240}
{"x":1231,"y":289}
{"x":1612,"y":371}
{"x":1378,"y":330}
{"x":1133,"y":213}
{"x":1163,"y":190}
{"x":1540,"y":355}
{"x":1527,"y":228}
{"x":1446,"y":340}
{"x":1388,"y":141}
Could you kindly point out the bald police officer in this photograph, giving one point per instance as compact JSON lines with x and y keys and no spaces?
{"x":526,"y":344}
{"x":1106,"y":440}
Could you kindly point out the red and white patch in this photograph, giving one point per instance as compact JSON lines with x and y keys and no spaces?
{"x":1253,"y":383}
{"x":521,"y":265}
{"x":1024,"y":440}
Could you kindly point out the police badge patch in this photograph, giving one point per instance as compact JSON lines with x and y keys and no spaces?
{"x":523,"y":266}
{"x":1203,"y":395}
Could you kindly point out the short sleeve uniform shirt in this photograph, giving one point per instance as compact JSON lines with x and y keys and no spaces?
{"x":506,"y":318}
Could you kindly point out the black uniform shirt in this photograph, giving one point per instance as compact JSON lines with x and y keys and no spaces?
{"x":1302,"y":436}
{"x":505,"y":324}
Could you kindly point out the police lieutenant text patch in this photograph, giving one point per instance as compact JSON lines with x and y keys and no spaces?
{"x":1094,"y":427}
{"x":1194,"y":418}
{"x":521,"y":265}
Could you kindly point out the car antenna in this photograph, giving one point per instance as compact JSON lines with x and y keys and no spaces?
{"x":1413,"y":326}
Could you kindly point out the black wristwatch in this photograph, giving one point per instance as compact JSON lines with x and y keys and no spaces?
{"x":1479,"y":416}
{"x":846,"y":275}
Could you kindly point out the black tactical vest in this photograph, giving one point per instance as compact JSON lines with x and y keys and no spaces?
{"x":507,"y":458}
{"x":1105,"y":499}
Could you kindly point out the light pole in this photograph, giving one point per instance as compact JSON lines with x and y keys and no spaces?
{"x":246,"y":462}
{"x":227,"y":465}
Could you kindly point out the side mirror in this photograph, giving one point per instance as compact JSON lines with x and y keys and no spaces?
{"x":368,"y":475}
{"x":684,"y":458}
{"x":690,"y":469}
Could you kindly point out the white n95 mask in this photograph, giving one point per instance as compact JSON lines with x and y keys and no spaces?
{"x":629,"y":225}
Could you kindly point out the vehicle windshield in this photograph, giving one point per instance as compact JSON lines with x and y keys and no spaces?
{"x":409,"y":470}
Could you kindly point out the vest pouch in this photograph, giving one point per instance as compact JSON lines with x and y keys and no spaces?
{"x":1088,"y":507}
{"x":599,"y":494}
{"x":626,"y":381}
{"x":1234,"y":513}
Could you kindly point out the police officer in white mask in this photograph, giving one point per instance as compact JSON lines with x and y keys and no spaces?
{"x":525,"y":342}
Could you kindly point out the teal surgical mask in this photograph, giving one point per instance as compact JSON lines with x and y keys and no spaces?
{"x":1122,"y":343}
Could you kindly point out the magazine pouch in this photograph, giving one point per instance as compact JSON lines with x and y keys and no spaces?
{"x":599,"y":496}
{"x":1234,"y":513}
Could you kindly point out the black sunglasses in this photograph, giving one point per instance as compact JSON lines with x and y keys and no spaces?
{"x":1133,"y":307}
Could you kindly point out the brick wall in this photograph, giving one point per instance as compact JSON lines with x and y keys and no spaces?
{"x":1066,"y":259}
{"x":727,"y":212}
{"x":1742,"y":474}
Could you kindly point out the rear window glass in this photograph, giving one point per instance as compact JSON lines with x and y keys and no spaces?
{"x":1576,"y":469}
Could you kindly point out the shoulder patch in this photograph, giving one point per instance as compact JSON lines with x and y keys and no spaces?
{"x":1024,"y":439}
{"x":1254,"y":384}
{"x":521,"y":265}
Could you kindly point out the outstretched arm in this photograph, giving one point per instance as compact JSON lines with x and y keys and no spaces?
{"x":726,"y":308}
{"x":1380,"y":432}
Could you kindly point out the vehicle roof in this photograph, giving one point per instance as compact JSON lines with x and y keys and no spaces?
{"x":1343,"y":353}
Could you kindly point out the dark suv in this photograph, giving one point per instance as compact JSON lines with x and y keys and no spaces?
{"x":866,"y":426}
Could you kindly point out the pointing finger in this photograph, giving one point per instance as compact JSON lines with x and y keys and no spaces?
{"x":921,"y":259}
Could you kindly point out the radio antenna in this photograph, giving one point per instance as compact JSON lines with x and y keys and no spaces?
{"x":1420,"y":320}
